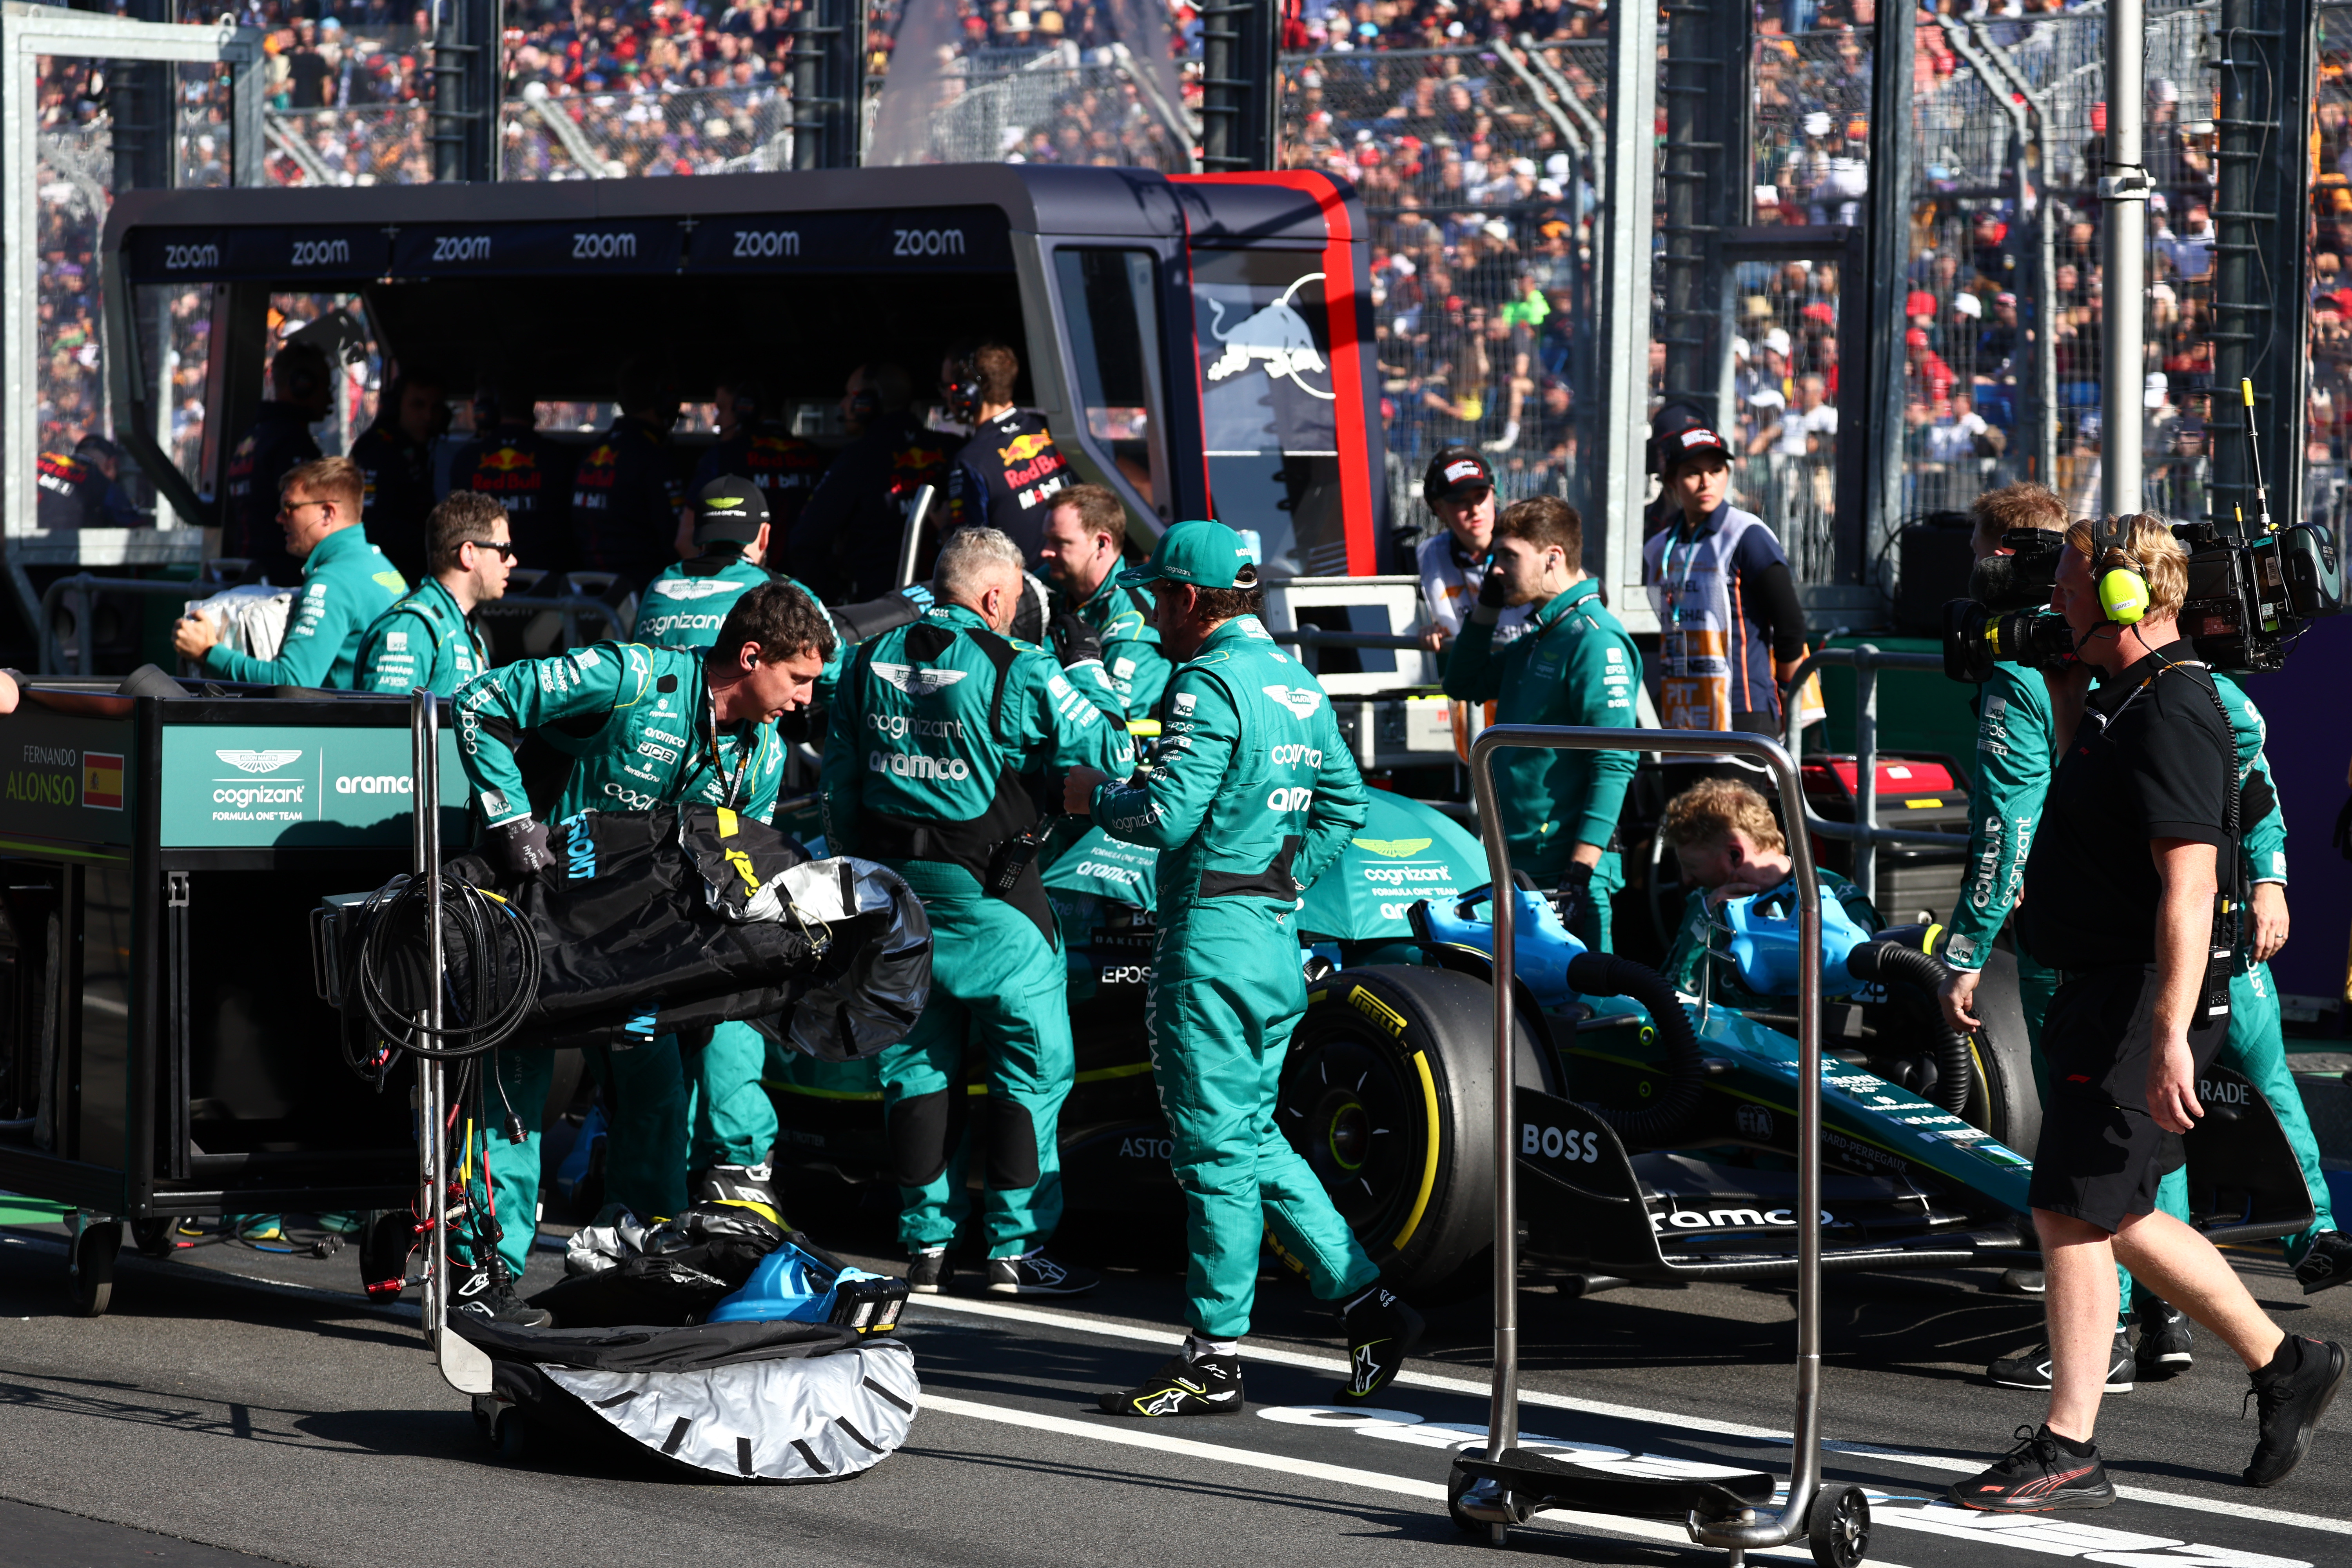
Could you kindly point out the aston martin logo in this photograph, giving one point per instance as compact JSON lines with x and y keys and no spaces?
{"x":917,"y":682}
{"x":1300,"y":700}
{"x":695,"y":587}
{"x":1394,"y":849}
{"x":259,"y":762}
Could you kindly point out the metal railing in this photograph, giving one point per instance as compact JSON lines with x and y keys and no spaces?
{"x":1865,"y":831}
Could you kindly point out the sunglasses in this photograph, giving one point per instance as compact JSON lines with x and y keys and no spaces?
{"x":506,"y":552}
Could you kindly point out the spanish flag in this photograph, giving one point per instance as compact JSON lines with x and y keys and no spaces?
{"x":102,"y":780}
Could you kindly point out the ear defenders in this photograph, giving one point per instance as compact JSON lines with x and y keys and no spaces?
{"x":2123,"y":585}
{"x":964,"y":392}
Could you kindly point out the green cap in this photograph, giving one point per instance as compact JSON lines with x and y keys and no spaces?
{"x":1203,"y":554}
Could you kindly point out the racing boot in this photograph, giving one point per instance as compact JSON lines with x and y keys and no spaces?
{"x":2290,"y":1396}
{"x":1204,"y":1385}
{"x":1034,"y":1274}
{"x":1381,"y":1331}
{"x":2164,"y":1338}
{"x":2044,"y":1472}
{"x":489,"y":1295}
{"x":928,"y":1271}
{"x":741,"y":1185}
{"x":2031,"y":1370}
{"x":2329,"y":1262}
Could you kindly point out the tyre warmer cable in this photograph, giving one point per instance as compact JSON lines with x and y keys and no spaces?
{"x":490,"y":973}
{"x":1606,"y":975}
{"x":1884,"y":960}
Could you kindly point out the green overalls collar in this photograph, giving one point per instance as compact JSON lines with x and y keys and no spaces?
{"x":348,"y":541}
{"x":444,"y":601}
{"x":1561,"y":604}
{"x":1239,"y":629}
{"x":957,"y":615}
{"x":1106,"y":589}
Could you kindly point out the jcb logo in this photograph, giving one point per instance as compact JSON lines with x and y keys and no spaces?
{"x":1554,"y":1145}
{"x":1288,"y":800}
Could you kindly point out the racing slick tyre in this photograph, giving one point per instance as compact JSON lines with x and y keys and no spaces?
{"x":2004,"y":1100}
{"x":91,"y":1268}
{"x":1837,"y":1531}
{"x":1388,"y":1094}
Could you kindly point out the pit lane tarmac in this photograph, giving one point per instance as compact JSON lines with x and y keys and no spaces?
{"x":258,"y":1406}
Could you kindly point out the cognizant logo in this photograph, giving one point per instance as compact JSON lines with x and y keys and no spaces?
{"x":630,"y":799}
{"x":916,"y":765}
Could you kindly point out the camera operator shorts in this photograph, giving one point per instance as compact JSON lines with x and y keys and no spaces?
{"x":2101,"y":1153}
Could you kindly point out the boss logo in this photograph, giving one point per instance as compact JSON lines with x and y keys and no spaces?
{"x":1554,"y":1145}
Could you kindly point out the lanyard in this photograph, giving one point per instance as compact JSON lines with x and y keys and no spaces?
{"x":729,"y":783}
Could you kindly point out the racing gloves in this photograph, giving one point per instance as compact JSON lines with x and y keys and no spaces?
{"x":1573,"y":898}
{"x":522,"y":846}
{"x":1075,"y":642}
{"x":1493,"y":595}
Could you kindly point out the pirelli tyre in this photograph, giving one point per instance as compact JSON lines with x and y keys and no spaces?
{"x":2004,"y":1100}
{"x":1388,"y":1094}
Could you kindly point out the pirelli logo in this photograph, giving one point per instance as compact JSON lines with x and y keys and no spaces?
{"x":1378,"y":1011}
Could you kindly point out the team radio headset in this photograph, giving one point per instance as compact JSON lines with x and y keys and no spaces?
{"x":2124,"y":600}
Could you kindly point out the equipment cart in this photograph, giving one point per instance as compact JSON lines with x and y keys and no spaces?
{"x":163,"y":1051}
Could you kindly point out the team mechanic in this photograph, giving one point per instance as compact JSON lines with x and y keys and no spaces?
{"x":2120,"y":898}
{"x":429,"y":639}
{"x":346,"y":585}
{"x":1006,"y":473}
{"x":1574,"y":664}
{"x":932,"y":727}
{"x":734,"y":1121}
{"x":1093,"y":617}
{"x":641,"y":727}
{"x":1250,"y":792}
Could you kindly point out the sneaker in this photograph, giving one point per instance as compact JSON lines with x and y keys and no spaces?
{"x":2031,"y":1370}
{"x":2289,"y":1401}
{"x":1209,"y":1386}
{"x":2038,"y":1476}
{"x":1381,"y":1331}
{"x":2329,"y":1262}
{"x":928,"y":1271}
{"x":1034,"y":1274}
{"x":740,"y":1184}
{"x":492,"y":1298}
{"x":2164,"y":1338}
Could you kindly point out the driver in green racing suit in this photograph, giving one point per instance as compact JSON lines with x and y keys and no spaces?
{"x":1251,"y":792}
{"x":643,"y":727}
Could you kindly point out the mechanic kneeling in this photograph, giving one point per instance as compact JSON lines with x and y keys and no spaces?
{"x":638,"y":727}
{"x":2120,"y":899}
{"x":1251,"y":791}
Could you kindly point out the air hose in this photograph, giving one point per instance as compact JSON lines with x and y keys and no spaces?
{"x":1606,"y":975}
{"x":488,"y":978}
{"x":1884,"y":960}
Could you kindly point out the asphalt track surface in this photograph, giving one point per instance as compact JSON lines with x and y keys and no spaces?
{"x":236,"y":1406}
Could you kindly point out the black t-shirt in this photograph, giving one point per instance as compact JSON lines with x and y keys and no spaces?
{"x":2153,"y":758}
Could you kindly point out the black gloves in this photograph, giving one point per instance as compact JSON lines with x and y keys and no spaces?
{"x":1075,"y":642}
{"x":522,"y":846}
{"x":1494,"y":589}
{"x":1573,"y":898}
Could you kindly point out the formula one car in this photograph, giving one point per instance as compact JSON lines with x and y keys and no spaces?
{"x":1655,"y":1133}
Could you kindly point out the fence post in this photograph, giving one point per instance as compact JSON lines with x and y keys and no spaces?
{"x":828,"y":46}
{"x":1624,"y":314}
{"x":1889,"y":241}
{"x":1240,"y":86}
{"x":1866,"y":763}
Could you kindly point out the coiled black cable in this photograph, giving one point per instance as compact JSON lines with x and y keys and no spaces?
{"x":1606,"y":975}
{"x":1884,"y":960}
{"x":488,"y":978}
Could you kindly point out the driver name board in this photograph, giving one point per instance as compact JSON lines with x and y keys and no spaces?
{"x":935,"y":239}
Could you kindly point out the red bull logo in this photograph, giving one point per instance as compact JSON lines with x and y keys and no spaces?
{"x":1025,"y":448}
{"x":1277,"y":335}
{"x":506,"y":460}
{"x":918,"y":460}
{"x":604,"y":456}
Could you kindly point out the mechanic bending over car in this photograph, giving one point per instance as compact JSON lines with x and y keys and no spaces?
{"x":1250,"y":792}
{"x":932,"y":729}
{"x":1730,"y":846}
{"x":346,"y":585}
{"x":2138,"y":840}
{"x":1574,"y":665}
{"x":1093,"y":616}
{"x":428,"y":639}
{"x":636,"y":727}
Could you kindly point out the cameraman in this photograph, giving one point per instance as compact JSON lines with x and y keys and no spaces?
{"x":2120,"y":896}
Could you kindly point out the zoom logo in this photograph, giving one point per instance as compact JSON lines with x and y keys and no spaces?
{"x":768,"y":242}
{"x":319,"y":253}
{"x":630,"y":799}
{"x":180,"y":257}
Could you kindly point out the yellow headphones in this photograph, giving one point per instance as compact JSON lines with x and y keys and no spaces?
{"x":2123,"y":585}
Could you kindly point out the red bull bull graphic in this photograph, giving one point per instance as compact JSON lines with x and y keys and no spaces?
{"x":1025,"y":448}
{"x":1276,"y":334}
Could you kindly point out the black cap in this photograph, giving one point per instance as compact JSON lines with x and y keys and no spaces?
{"x":1454,"y":469}
{"x":729,"y":508}
{"x":1684,"y":444}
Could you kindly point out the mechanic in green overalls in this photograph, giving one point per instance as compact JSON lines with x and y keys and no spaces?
{"x":428,"y":639}
{"x":1250,"y":792}
{"x":1094,"y":616}
{"x":1573,"y":664}
{"x":733,"y":1120}
{"x":346,"y":585}
{"x":641,"y":727}
{"x":932,"y":728}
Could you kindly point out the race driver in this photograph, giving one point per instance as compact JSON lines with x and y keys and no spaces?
{"x":1250,"y":792}
{"x":428,"y":639}
{"x":1009,"y":470}
{"x":641,"y":727}
{"x":932,"y":728}
{"x":1093,"y":617}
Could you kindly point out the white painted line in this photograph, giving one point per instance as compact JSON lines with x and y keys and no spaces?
{"x":1111,"y":1430}
{"x":1695,"y":1424}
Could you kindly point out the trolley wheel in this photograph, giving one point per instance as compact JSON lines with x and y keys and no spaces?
{"x":1457,"y":1484}
{"x":384,"y":1250}
{"x":90,"y":1272}
{"x":156,"y":1238}
{"x":1838,"y":1528}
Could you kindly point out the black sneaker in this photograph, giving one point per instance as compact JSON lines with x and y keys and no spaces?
{"x":1209,"y":1386}
{"x":928,"y":1273}
{"x":1034,"y":1274}
{"x":473,"y":1289}
{"x":2329,"y":1262}
{"x":2164,"y":1338}
{"x":740,"y":1184}
{"x":2031,"y":1370}
{"x":1381,"y":1331}
{"x":2038,"y":1476}
{"x":2289,"y":1401}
